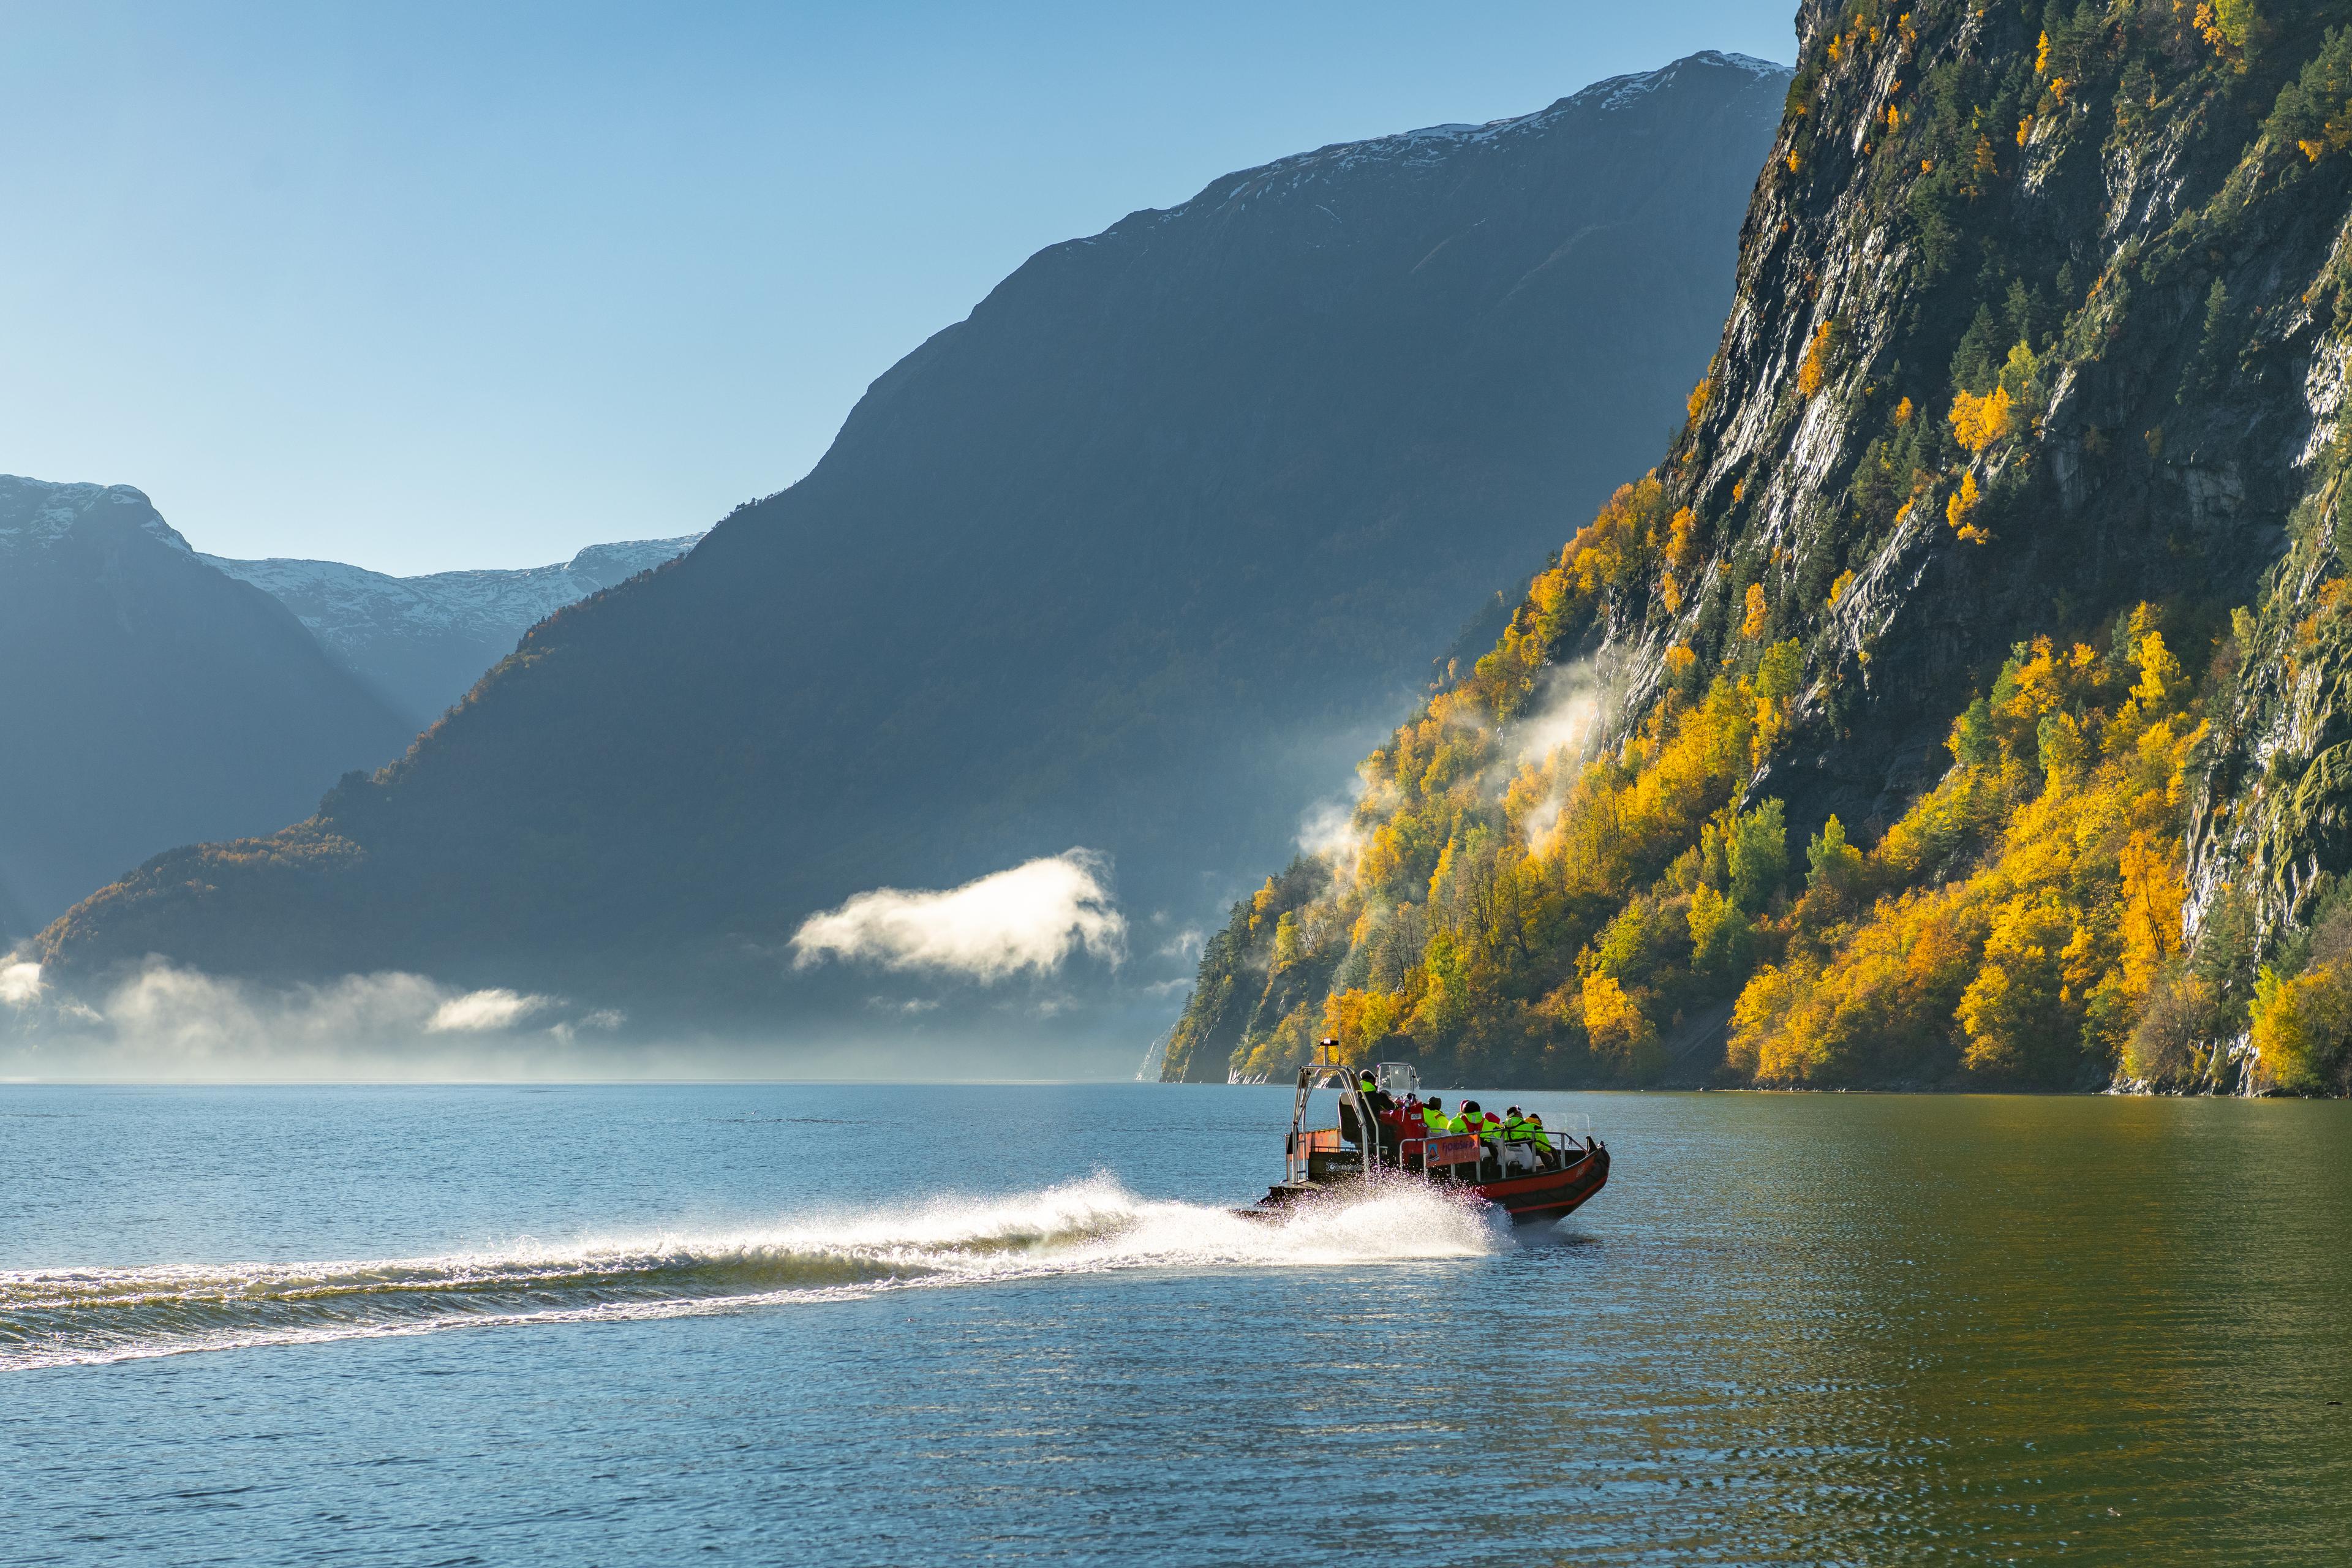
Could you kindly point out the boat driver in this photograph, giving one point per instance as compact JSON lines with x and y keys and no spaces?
{"x":1384,"y":1114}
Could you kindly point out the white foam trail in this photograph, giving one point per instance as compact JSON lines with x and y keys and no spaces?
{"x":65,"y":1317}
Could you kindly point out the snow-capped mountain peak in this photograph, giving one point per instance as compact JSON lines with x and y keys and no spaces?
{"x":348,"y":606}
{"x":424,"y":640}
{"x":36,"y":514}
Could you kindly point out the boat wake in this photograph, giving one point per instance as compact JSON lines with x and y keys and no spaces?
{"x":67,"y":1317}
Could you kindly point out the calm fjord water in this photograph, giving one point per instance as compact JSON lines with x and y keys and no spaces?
{"x":862,"y":1325}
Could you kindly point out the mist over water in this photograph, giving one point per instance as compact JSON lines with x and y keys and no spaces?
{"x":164,"y":1022}
{"x":1017,"y":1324}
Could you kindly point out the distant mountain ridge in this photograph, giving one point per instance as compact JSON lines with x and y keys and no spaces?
{"x":1432,"y":145}
{"x":422,"y":641}
{"x":35,"y":515}
{"x":1133,"y":559}
{"x":160,"y":696}
{"x":151,"y":701}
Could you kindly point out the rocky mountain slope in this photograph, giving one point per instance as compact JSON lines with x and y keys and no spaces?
{"x":151,"y":701}
{"x":421,"y":642}
{"x":1958,"y":701}
{"x":1129,"y":560}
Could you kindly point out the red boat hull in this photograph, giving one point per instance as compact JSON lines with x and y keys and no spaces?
{"x":1549,"y":1194}
{"x":1540,"y":1196}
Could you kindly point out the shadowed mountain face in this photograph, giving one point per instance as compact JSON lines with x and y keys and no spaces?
{"x":152,"y":701}
{"x":1135,"y":558}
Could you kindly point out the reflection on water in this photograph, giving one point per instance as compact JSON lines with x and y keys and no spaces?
{"x":1795,"y":1328}
{"x":1981,"y":1326}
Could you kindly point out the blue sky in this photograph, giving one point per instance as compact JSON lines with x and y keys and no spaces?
{"x":427,"y":286}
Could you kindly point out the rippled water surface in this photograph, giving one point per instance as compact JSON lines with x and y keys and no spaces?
{"x":1014,"y":1324}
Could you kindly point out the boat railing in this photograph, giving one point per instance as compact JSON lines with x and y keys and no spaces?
{"x":1460,"y":1151}
{"x":1457,"y":1152}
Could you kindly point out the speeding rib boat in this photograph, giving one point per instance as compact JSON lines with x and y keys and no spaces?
{"x":1321,"y":1160}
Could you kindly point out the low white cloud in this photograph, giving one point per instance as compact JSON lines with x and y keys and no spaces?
{"x":482,"y":1011}
{"x":1033,"y":917}
{"x":1329,"y":828}
{"x":1566,"y":709}
{"x":20,"y":983}
{"x":164,"y":1021}
{"x":187,"y":1013}
{"x":604,"y":1019}
{"x":1186,"y":944}
{"x":1560,"y":725}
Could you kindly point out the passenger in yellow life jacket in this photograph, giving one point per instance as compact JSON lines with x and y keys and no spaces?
{"x":1518,"y":1142}
{"x":1474,"y":1121}
{"x":1542,"y":1140}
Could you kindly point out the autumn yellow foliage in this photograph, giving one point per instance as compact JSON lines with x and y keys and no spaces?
{"x":1814,"y":367}
{"x":1616,"y":1028}
{"x":1608,"y":555}
{"x":2063,"y":813}
{"x":1978,"y":422}
{"x":2226,"y":25}
{"x":2296,"y":1022}
{"x":1957,"y":510}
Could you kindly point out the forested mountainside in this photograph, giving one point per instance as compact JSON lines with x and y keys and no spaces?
{"x":1135,"y":559}
{"x":422,"y":642}
{"x":151,"y":700}
{"x":1962,"y":697}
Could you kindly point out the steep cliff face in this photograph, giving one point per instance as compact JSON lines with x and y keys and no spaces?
{"x":2090,"y":181}
{"x":150,"y":701}
{"x":1135,"y":559}
{"x":2037,"y":334}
